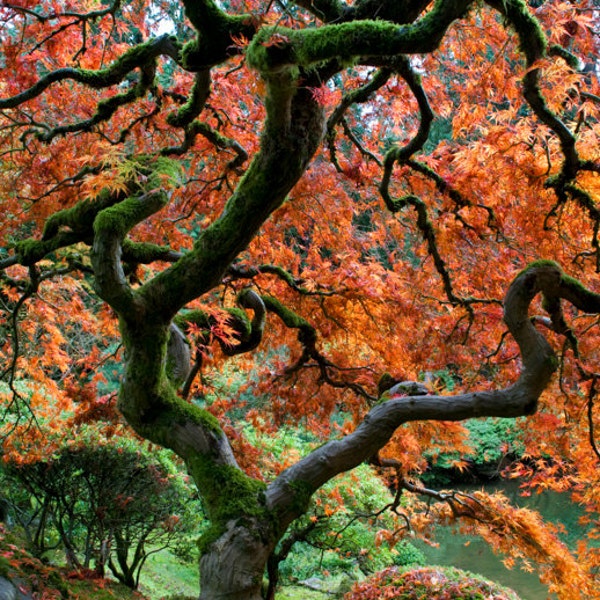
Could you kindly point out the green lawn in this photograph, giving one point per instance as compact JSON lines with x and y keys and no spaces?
{"x":165,"y":575}
{"x":300,"y":593}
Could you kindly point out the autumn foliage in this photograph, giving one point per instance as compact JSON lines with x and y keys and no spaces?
{"x":420,"y":584}
{"x":402,"y":189}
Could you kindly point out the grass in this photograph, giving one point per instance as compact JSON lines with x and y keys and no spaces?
{"x":300,"y":593}
{"x":166,"y":575}
{"x":98,"y":590}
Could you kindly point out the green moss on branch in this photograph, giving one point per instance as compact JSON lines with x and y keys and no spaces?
{"x":175,"y":411}
{"x":229,"y":495}
{"x":145,"y":253}
{"x":121,"y":218}
{"x":138,"y":56}
{"x":541,"y":263}
{"x":80,"y":218}
{"x":30,"y":251}
{"x":195,"y":103}
{"x":532,"y":40}
{"x":248,"y":333}
{"x":307,"y":334}
{"x":274,"y":48}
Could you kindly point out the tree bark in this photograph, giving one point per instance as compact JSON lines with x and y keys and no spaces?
{"x":247,"y":517}
{"x":234,"y":566}
{"x":243,"y":531}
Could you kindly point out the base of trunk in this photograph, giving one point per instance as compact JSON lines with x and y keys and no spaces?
{"x":233,"y":566}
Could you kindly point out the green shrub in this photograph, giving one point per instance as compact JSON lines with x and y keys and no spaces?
{"x":494,"y":438}
{"x":339,"y":534}
{"x":493,"y":441}
{"x":407,"y":554}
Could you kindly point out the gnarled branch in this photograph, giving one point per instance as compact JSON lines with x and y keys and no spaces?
{"x":539,"y":364}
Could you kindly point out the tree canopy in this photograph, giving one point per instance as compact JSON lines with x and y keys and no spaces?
{"x":377,"y":219}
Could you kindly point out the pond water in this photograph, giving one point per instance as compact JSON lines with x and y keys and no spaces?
{"x":477,"y":556}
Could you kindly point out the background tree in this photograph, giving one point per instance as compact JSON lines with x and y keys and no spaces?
{"x":107,"y":505}
{"x":367,"y":177}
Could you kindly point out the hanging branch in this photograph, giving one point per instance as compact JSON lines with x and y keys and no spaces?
{"x":307,"y":336}
{"x":82,"y":19}
{"x":138,"y":57}
{"x":359,"y":95}
{"x":17,"y":402}
{"x":535,"y":47}
{"x":590,"y":416}
{"x":296,"y":283}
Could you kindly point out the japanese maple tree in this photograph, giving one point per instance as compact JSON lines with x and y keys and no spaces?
{"x":331,"y":197}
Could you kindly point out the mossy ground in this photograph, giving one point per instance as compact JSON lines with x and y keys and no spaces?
{"x":165,"y":575}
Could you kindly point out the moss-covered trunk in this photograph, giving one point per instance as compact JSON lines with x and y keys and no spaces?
{"x":243,"y":530}
{"x":235,"y":548}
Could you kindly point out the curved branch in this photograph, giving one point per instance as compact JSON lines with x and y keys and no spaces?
{"x":18,"y":403}
{"x":459,"y":200}
{"x":334,"y":11}
{"x":539,"y":364}
{"x":426,"y":228}
{"x":135,"y":57}
{"x":216,"y":32}
{"x":247,"y":333}
{"x":195,"y":103}
{"x":75,"y":18}
{"x":397,"y":11}
{"x":329,"y":11}
{"x":89,"y":16}
{"x":110,"y":227}
{"x":289,"y":140}
{"x":361,"y":94}
{"x":307,"y":336}
{"x":221,"y":141}
{"x":144,"y":253}
{"x":250,"y":332}
{"x":534,"y":45}
{"x":105,"y":109}
{"x":238,"y":272}
{"x":402,"y":154}
{"x":74,"y":225}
